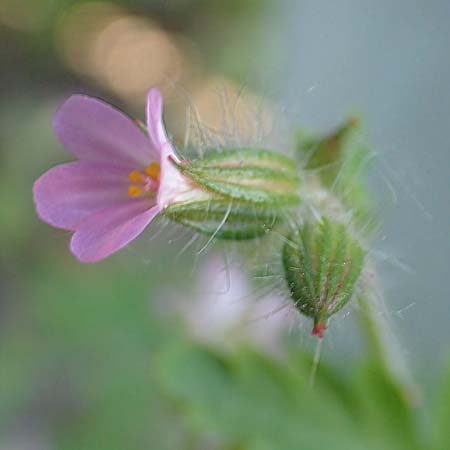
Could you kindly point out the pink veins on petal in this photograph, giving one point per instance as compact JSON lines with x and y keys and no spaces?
{"x":116,"y":188}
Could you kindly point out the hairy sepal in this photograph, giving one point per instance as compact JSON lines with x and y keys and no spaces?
{"x":341,"y":160}
{"x":224,"y":219}
{"x":259,"y":177}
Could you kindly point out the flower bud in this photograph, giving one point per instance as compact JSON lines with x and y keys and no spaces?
{"x":322,"y":264}
{"x":329,"y":152}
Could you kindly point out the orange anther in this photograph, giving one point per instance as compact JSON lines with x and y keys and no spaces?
{"x":153,"y":170}
{"x":135,"y":176}
{"x":134,"y":191}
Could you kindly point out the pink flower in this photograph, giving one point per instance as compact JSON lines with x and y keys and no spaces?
{"x":122,"y":180}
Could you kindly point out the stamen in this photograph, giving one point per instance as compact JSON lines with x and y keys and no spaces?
{"x":147,"y":182}
{"x":136,"y":177}
{"x":134,"y":191}
{"x":153,"y":170}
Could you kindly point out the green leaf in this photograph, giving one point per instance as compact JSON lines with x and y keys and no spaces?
{"x":383,"y":409}
{"x":442,"y":413}
{"x":249,"y":401}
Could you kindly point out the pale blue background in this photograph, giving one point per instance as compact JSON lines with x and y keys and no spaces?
{"x":390,"y":61}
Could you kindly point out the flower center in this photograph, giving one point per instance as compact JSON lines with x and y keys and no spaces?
{"x":146,"y":182}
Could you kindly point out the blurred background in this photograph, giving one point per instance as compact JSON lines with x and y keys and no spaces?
{"x":79,"y":345}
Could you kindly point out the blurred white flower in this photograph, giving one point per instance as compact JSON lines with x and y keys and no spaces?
{"x":224,"y":309}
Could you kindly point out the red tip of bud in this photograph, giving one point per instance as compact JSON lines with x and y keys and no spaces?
{"x":319,"y":330}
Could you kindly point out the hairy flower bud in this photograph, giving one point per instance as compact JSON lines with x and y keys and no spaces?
{"x":245,"y":192}
{"x":322,"y":264}
{"x":329,"y":152}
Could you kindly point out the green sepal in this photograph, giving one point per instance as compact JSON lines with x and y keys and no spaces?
{"x":322,"y":263}
{"x":253,"y":176}
{"x":249,"y":157}
{"x":224,"y":219}
{"x":327,"y":152}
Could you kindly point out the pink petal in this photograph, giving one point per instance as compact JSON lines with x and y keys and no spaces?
{"x":155,"y":125}
{"x":108,"y":231}
{"x":174,"y":187}
{"x":171,"y":179}
{"x":69,"y":193}
{"x":94,"y":130}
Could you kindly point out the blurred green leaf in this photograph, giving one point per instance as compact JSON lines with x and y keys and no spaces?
{"x":383,"y":409}
{"x":79,"y":357}
{"x":250,"y":400}
{"x":441,"y":419}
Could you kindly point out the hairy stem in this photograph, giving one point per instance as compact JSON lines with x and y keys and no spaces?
{"x":316,"y":361}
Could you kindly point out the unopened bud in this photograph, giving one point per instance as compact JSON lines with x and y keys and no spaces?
{"x":322,"y":264}
{"x":329,"y":151}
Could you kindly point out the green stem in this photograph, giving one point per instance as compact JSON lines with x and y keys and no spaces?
{"x":316,"y":360}
{"x":384,"y":345}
